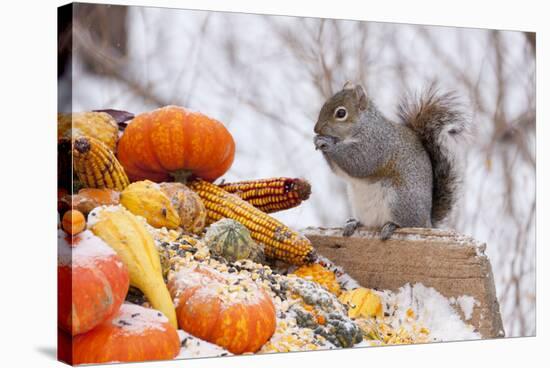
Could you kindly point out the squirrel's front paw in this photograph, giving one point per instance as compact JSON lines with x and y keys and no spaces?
{"x":323,"y":142}
{"x":350,"y":227}
{"x":387,"y":230}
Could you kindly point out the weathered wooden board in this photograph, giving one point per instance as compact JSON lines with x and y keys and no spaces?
{"x":452,"y":263}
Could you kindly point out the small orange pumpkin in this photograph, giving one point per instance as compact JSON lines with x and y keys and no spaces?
{"x":238,"y":316}
{"x":73,"y":222}
{"x":92,"y":282}
{"x":135,"y":334}
{"x":175,"y":142}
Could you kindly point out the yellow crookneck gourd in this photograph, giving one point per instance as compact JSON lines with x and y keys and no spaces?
{"x":146,"y":199}
{"x":362,"y":302}
{"x":127,"y":235}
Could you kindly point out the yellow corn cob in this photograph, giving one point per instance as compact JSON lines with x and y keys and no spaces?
{"x":271,"y":195}
{"x":279,"y":241}
{"x":96,"y":165}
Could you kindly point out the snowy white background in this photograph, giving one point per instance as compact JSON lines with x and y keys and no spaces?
{"x":266,"y":78}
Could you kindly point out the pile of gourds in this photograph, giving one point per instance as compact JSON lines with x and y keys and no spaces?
{"x":156,"y":176}
{"x":174,"y":144}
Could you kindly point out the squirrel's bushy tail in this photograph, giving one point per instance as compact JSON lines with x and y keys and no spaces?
{"x":439,"y":122}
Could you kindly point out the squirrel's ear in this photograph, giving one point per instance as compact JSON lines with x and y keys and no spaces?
{"x":349,"y":85}
{"x":361,"y":97}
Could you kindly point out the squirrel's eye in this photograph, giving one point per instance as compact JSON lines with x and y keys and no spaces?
{"x":340,"y":113}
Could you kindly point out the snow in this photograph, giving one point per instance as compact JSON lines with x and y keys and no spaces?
{"x":433,"y":310}
{"x":193,"y":347}
{"x":466,"y":304}
{"x":94,"y":215}
{"x":134,"y":319}
{"x":87,"y":249}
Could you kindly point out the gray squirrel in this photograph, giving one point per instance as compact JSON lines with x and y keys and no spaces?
{"x":398,"y":174}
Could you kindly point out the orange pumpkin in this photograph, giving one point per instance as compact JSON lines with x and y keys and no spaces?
{"x":172,"y":142}
{"x":73,"y":222}
{"x":135,"y":334}
{"x":92,"y":282}
{"x":238,"y":316}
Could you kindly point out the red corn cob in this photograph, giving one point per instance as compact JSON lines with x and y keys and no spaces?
{"x":272,"y":194}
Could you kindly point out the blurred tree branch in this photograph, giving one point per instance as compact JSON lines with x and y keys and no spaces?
{"x":532,"y":39}
{"x":105,"y":59}
{"x":106,"y":28}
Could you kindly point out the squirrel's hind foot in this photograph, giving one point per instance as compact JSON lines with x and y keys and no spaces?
{"x":387,"y":230}
{"x":350,"y":226}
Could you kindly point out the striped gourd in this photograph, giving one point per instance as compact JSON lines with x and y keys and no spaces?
{"x":273,"y":194}
{"x":231,"y":240}
{"x":96,"y":166}
{"x":280,"y":242}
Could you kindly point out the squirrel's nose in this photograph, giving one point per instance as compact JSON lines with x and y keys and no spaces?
{"x":318,"y":127}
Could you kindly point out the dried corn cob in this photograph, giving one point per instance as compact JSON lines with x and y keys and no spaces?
{"x":271,"y":195}
{"x":96,"y":165}
{"x":280,"y":242}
